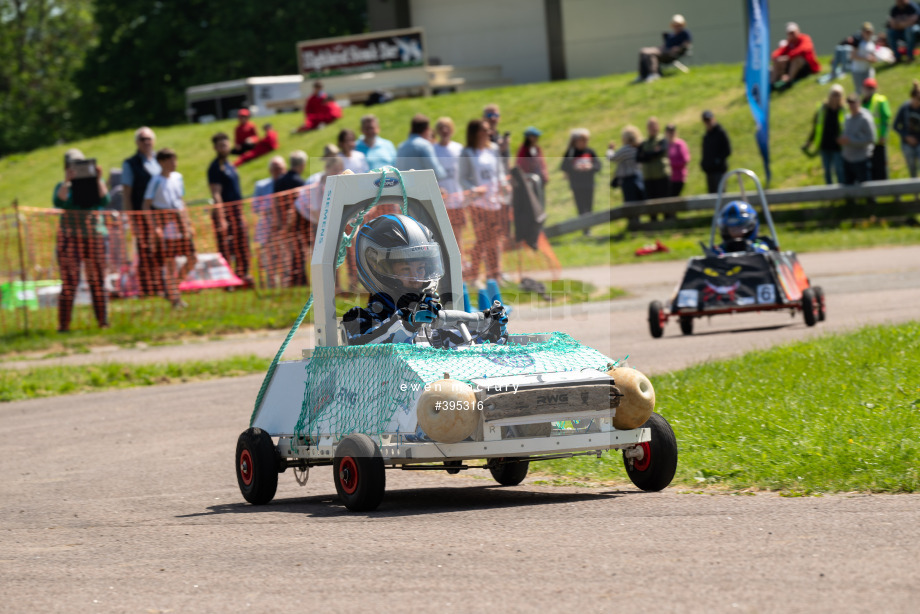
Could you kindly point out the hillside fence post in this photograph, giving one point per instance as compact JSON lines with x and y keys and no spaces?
{"x":22,"y":267}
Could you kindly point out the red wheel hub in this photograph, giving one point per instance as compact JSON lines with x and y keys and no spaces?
{"x":646,"y":460}
{"x":662,"y":318}
{"x":348,"y":475}
{"x":246,"y":467}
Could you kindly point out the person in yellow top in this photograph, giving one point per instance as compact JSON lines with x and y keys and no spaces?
{"x":878,"y":106}
{"x":826,"y":127}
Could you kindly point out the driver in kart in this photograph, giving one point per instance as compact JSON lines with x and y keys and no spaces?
{"x":399,"y":263}
{"x":738,"y":225}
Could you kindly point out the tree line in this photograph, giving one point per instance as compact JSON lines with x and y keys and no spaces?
{"x":76,"y":68}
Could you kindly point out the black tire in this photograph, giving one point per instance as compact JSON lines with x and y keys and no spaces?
{"x":686,"y":325}
{"x":656,"y":470}
{"x":358,"y":472}
{"x":452,"y":467}
{"x":257,"y":465}
{"x":655,"y":310}
{"x":809,"y":307}
{"x":822,"y":307}
{"x":510,"y":474}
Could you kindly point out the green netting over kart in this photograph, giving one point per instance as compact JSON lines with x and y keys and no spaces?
{"x":372,"y":389}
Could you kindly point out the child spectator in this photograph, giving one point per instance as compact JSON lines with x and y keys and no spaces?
{"x":627,"y":175}
{"x":679,"y":157}
{"x":907,"y":125}
{"x":171,"y":226}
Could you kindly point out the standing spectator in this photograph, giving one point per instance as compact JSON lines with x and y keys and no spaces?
{"x":320,"y":110}
{"x":858,"y":140}
{"x":863,"y":56}
{"x":653,"y":156}
{"x":245,"y":135}
{"x":379,"y":151}
{"x":679,"y":157}
{"x":227,"y":215}
{"x":270,"y":240}
{"x":483,"y":181}
{"x":81,"y":241}
{"x":716,"y":150}
{"x":449,"y":152}
{"x":902,"y":23}
{"x":171,"y":226}
{"x":265,"y":145}
{"x":417,"y":152}
{"x":580,"y":164}
{"x":794,"y":59}
{"x":676,"y":44}
{"x":354,"y":160}
{"x":627,"y":174}
{"x":530,"y":157}
{"x":878,"y":106}
{"x":825,"y":130}
{"x":136,"y":172}
{"x":491,"y":115}
{"x":293,"y":227}
{"x":907,"y":125}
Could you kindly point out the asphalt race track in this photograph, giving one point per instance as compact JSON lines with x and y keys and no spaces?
{"x":127,"y":501}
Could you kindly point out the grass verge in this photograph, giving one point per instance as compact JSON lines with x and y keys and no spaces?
{"x":840,"y":413}
{"x":37,"y":382}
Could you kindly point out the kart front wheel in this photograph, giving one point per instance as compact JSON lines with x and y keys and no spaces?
{"x":656,"y":319}
{"x":358,"y":473}
{"x":509,"y":474}
{"x":809,"y":307}
{"x":256,"y":466}
{"x":686,"y":325}
{"x":654,"y":469}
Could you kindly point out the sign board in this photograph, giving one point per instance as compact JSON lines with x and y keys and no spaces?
{"x":372,"y":52}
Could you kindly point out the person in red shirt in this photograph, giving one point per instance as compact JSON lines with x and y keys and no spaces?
{"x":320,"y":110}
{"x":794,"y":59}
{"x":246,"y":135}
{"x":265,"y":145}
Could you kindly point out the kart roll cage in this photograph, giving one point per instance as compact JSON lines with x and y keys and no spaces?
{"x":741,"y":173}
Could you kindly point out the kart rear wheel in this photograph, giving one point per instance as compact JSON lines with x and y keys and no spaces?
{"x":809,"y":307}
{"x":358,"y":473}
{"x":655,"y":470}
{"x":656,"y":319}
{"x":509,"y":474}
{"x":686,"y":325}
{"x":819,"y":297}
{"x":256,"y":466}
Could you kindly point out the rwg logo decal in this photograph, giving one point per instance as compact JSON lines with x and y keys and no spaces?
{"x":388,"y":182}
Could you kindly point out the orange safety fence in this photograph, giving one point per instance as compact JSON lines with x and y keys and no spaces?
{"x":204,"y":269}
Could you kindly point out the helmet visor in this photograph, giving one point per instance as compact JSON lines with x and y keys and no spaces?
{"x":410,"y":265}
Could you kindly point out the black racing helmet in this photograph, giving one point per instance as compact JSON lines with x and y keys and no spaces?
{"x":396,"y":255}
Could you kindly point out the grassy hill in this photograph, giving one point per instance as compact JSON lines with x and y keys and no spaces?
{"x":604,"y":105}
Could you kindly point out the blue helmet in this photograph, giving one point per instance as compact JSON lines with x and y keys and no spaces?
{"x":738,"y":222}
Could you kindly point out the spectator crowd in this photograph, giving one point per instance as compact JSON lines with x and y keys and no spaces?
{"x":475,"y":172}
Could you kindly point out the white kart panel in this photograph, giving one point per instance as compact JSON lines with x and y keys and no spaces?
{"x":281,"y":404}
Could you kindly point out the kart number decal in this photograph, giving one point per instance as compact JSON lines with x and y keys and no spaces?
{"x":688,"y":298}
{"x":766,"y":293}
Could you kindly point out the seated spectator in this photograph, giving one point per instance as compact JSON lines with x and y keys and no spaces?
{"x":907,"y":125}
{"x":863,"y":56}
{"x":379,"y":151}
{"x":902,"y":26}
{"x":354,"y":160}
{"x":794,"y":59}
{"x":627,"y":175}
{"x":417,"y":152}
{"x":172,"y":228}
{"x":841,"y":62}
{"x":245,"y":135}
{"x":320,"y":110}
{"x":676,"y":44}
{"x":267,"y":144}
